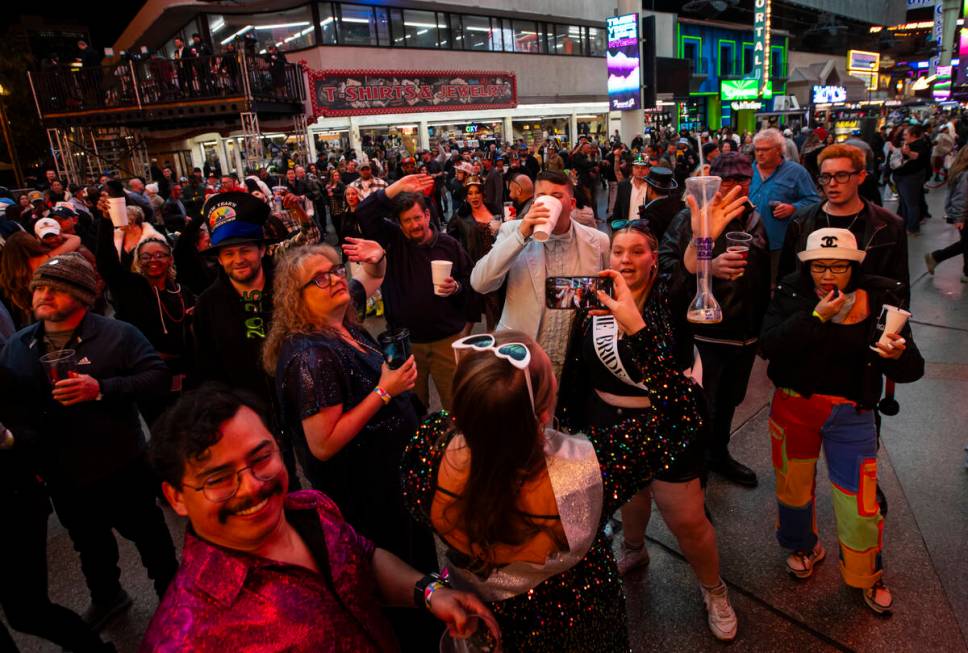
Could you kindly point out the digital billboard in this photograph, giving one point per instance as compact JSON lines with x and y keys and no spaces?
{"x":744,"y":89}
{"x":622,"y":59}
{"x":829,"y":94}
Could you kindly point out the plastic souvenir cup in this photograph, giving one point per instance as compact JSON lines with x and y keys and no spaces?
{"x":440,"y":271}
{"x":395,"y":346}
{"x":59,"y":364}
{"x":894,"y":319}
{"x":509,"y":212}
{"x":543,"y":231}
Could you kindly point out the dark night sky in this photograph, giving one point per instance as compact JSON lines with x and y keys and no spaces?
{"x":106,"y":21}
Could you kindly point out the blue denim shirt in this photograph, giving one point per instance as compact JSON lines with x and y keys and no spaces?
{"x":790,"y":183}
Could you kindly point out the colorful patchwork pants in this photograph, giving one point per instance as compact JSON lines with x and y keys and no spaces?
{"x":798,"y":428}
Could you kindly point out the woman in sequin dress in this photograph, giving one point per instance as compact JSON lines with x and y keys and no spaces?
{"x":605,"y":388}
{"x":348,"y":437}
{"x":519,"y":507}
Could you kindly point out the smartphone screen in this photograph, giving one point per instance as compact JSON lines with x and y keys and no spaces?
{"x":569,"y":293}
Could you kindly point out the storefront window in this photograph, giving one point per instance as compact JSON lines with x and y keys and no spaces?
{"x":420,"y":28}
{"x":597,"y":39}
{"x":443,"y":32}
{"x":327,"y":23}
{"x":357,"y":26}
{"x":525,"y":36}
{"x":397,"y":31}
{"x":287,"y":30}
{"x":382,"y":26}
{"x":567,"y":40}
{"x":477,"y":33}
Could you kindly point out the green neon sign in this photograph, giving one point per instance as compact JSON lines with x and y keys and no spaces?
{"x":744,"y":89}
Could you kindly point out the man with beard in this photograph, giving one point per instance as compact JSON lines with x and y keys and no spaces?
{"x":266,"y":570}
{"x":84,"y":430}
{"x":232,"y":316}
{"x":399,"y":219}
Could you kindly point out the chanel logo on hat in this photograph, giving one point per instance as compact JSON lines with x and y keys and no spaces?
{"x":828,"y":241}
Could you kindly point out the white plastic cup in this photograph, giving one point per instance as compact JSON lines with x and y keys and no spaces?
{"x":440,"y":271}
{"x":894,"y":320}
{"x":542,"y":232}
{"x":118,"y":211}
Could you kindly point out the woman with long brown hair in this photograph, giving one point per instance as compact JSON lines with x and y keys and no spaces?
{"x":956,"y":212}
{"x":20,"y":256}
{"x":475,"y":227}
{"x":519,"y":507}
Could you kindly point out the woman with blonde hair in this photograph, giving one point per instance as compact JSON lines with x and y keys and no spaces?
{"x":127,"y":238}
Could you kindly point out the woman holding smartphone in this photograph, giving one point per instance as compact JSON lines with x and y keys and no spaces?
{"x":519,"y":507}
{"x":618,"y":390}
{"x":817,"y":335}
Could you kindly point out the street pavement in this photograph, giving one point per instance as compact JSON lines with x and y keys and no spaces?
{"x":922,"y":472}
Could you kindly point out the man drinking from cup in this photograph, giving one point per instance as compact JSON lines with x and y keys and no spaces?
{"x":818,"y":335}
{"x":741,"y":284}
{"x":545,"y":243}
{"x":426,"y":289}
{"x":85,"y":431}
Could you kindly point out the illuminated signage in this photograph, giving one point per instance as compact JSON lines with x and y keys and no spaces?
{"x":829,"y":94}
{"x":962,"y":75}
{"x":744,"y":89}
{"x":761,"y":44}
{"x":942,"y":84}
{"x":937,"y":35}
{"x":622,"y":61}
{"x":862,"y":61}
{"x":746,"y":105}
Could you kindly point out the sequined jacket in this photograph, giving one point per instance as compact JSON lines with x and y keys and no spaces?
{"x":582,"y":608}
{"x":223,"y":600}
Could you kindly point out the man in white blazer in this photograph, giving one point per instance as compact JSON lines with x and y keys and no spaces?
{"x":572,"y":250}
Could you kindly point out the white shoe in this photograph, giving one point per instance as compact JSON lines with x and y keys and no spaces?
{"x":722,"y":618}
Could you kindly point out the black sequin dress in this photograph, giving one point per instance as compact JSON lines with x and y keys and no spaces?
{"x":318,"y":371}
{"x":581,"y":609}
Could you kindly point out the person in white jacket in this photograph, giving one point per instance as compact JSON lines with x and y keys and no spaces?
{"x":572,"y":250}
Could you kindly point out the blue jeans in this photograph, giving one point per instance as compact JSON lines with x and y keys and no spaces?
{"x":910,"y":190}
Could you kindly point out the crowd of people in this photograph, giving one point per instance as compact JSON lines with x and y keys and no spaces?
{"x":328,"y":507}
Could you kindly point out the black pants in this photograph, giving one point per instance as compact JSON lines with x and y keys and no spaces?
{"x":725,"y":374}
{"x":23,"y":577}
{"x":125,"y":502}
{"x":960,"y":246}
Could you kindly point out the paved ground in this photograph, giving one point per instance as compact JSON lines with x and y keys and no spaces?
{"x":926,"y":534}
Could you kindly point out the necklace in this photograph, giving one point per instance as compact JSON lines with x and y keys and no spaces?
{"x":856,"y":215}
{"x":163,"y":312}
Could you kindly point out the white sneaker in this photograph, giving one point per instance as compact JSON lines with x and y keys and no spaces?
{"x":722,"y":618}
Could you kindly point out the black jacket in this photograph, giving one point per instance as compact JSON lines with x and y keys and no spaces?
{"x":797,"y":344}
{"x":743,"y":300}
{"x":660,"y":213}
{"x":89,"y":442}
{"x":408,"y":289}
{"x":494,"y":191}
{"x":229,"y":334}
{"x":883,"y":237}
{"x":623,"y":195}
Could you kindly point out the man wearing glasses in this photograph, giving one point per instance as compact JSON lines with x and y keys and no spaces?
{"x":877,"y":230}
{"x":262,"y":569}
{"x":778,"y":190}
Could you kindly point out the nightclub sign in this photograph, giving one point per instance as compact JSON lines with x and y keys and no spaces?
{"x":369,"y":92}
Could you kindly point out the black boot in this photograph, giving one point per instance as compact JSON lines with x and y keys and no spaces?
{"x":732,"y":470}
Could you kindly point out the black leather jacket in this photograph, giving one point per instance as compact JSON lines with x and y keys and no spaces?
{"x":743,"y":301}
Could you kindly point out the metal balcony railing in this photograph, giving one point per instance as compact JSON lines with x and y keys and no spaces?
{"x":150,"y":83}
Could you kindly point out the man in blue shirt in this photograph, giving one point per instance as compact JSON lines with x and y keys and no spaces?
{"x":779,"y":188}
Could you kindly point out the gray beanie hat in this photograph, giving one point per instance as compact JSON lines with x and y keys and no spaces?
{"x":70,"y":273}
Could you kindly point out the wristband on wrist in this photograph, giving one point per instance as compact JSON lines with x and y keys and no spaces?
{"x":382,"y":394}
{"x":819,"y":316}
{"x":424,"y":590}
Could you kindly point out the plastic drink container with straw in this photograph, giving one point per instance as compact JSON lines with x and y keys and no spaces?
{"x":704,"y":309}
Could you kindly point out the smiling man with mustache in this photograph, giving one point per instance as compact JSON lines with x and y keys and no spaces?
{"x":266,"y":571}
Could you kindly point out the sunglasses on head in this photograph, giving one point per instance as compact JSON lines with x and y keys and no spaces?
{"x":516,"y":353}
{"x":639,"y":224}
